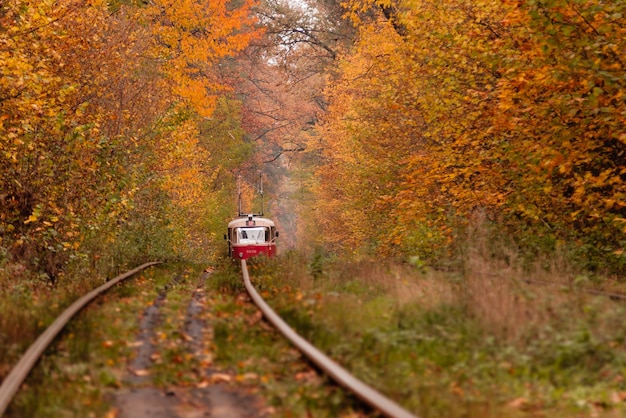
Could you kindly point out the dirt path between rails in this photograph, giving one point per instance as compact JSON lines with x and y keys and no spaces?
{"x":139,"y":399}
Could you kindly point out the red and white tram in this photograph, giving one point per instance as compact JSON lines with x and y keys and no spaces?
{"x":251,"y":235}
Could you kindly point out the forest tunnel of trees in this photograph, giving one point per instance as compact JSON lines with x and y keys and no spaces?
{"x":385,"y":127}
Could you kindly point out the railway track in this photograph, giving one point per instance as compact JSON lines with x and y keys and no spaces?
{"x":193,"y":331}
{"x":364,"y":392}
{"x":10,"y":386}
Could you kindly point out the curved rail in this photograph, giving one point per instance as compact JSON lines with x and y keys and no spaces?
{"x":11,"y":384}
{"x":366,"y":393}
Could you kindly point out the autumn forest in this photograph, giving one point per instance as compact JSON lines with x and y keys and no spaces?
{"x":124,"y":124}
{"x":448,"y":179}
{"x":506,"y":110}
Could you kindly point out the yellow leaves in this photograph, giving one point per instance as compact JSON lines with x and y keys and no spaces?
{"x":449,"y":121}
{"x":194,"y":35}
{"x":35,"y":215}
{"x":620,"y":223}
{"x":71,"y":245}
{"x":31,"y":218}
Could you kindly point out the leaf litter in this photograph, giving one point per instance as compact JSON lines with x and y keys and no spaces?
{"x":213,"y":394}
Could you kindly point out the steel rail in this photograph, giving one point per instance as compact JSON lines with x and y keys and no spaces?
{"x":12,"y":382}
{"x":340,"y":375}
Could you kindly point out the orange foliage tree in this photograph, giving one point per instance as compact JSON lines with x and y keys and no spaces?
{"x":97,"y":117}
{"x":192,"y":36}
{"x":562,"y":110}
{"x":509,"y":108}
{"x":61,"y":108}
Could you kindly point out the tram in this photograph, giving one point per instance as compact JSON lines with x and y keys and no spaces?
{"x":251,"y":235}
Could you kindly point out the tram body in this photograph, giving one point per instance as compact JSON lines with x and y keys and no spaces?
{"x":251,"y":235}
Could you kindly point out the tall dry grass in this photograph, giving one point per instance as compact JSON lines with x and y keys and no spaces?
{"x":510,"y":298}
{"x":495,"y":286}
{"x":512,"y":337}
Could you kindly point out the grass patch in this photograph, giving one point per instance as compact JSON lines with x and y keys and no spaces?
{"x":256,"y":354}
{"x":475,"y":343}
{"x":479,"y":342}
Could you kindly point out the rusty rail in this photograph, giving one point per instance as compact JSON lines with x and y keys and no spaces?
{"x":340,"y":375}
{"x":12,"y":383}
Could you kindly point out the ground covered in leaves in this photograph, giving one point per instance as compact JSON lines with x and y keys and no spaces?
{"x":177,"y":341}
{"x":185,"y":340}
{"x":475,"y":342}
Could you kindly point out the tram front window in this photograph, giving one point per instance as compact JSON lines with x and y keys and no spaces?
{"x":251,"y":235}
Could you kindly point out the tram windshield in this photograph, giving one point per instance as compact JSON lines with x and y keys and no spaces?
{"x":252,"y":235}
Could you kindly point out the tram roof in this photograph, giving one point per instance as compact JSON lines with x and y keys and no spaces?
{"x":243,"y":221}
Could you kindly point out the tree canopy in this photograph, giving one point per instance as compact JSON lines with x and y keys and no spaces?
{"x":443,"y":110}
{"x":102,"y":108}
